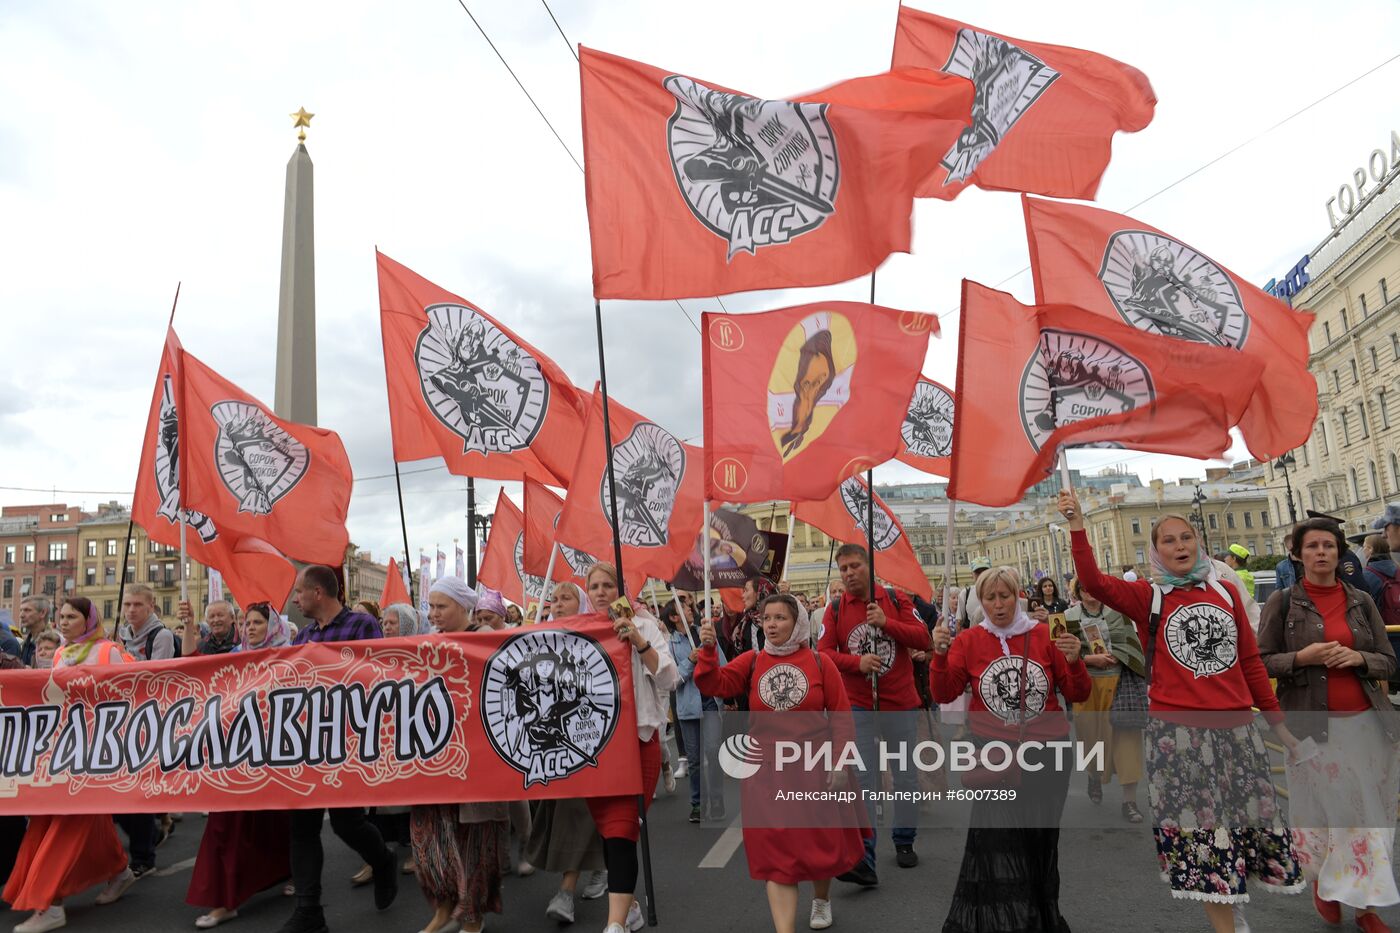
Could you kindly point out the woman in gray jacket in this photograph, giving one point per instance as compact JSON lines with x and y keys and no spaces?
{"x":1325,"y":643}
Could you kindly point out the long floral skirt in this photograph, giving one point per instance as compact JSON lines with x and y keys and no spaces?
{"x":459,"y":863}
{"x":1215,"y":815}
{"x":1342,"y":805}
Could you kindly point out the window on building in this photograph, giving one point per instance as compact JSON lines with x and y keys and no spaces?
{"x":152,"y":547}
{"x":9,"y":554}
{"x":130,"y":573}
{"x":131,"y":546}
{"x":1263,"y":518}
{"x":111,"y":547}
{"x":1375,"y":479}
{"x":1346,"y":428}
{"x":1361,"y":417}
{"x":50,"y":586}
{"x":170,"y":574}
{"x":1395,"y":473}
{"x":165,"y":605}
{"x":170,"y":549}
{"x":1212,"y":523}
{"x":1395,"y":346}
{"x":57,"y":517}
{"x":9,"y":588}
{"x":1344,"y":319}
{"x":1230,"y":520}
{"x":58,"y":550}
{"x":1337,"y":380}
{"x":1384,"y":407}
{"x":90,"y":576}
{"x":109,"y":575}
{"x":1137,"y":526}
{"x":107,"y":608}
{"x":1327,"y":331}
{"x":92,"y":549}
{"x":1140,"y":557}
{"x":1355,"y":378}
{"x":29,"y":553}
{"x":1249,"y":519}
{"x":1385,"y":295}
{"x":926,"y":558}
{"x":1375,"y":359}
{"x":1268,"y":545}
{"x":1355,"y":486}
{"x":1364,"y":310}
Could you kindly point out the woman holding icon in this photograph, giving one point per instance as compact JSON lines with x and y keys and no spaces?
{"x":1010,"y":875}
{"x":786,"y":675}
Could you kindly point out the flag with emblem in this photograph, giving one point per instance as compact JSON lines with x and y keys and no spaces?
{"x":1031,"y":379}
{"x":253,"y":569}
{"x":543,"y":509}
{"x":842,"y":515}
{"x":1129,"y":271}
{"x":501,"y":567}
{"x":694,"y":189}
{"x":395,"y":587}
{"x":798,"y":399}
{"x":465,"y":388}
{"x":257,"y":474}
{"x":926,"y":436}
{"x":1043,"y":116}
{"x":659,"y":494}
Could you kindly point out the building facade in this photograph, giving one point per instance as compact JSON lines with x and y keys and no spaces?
{"x":1350,"y":466}
{"x":364,"y":579}
{"x":38,"y":552}
{"x":101,"y":537}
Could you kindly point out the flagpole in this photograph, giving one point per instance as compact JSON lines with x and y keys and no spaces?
{"x":705,"y":550}
{"x":616,"y":523}
{"x":870,"y":537}
{"x":548,"y":579}
{"x":948,"y":538}
{"x":403,"y":526}
{"x":1064,"y":471}
{"x":787,"y":554}
{"x":471,"y":532}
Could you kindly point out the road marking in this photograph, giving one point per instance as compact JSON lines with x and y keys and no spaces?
{"x":725,"y":846}
{"x":177,"y":867}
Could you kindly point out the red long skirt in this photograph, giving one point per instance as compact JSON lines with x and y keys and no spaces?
{"x":617,"y":816}
{"x":62,"y":856}
{"x":241,"y":853}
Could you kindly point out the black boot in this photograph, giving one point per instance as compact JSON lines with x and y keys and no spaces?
{"x":305,"y":920}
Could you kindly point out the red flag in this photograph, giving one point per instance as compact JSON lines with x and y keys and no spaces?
{"x":394,"y":589}
{"x":256,"y":474}
{"x":926,"y":437}
{"x":465,"y":388}
{"x":1124,"y":269}
{"x":501,"y":567}
{"x":253,"y":569}
{"x":842,"y":516}
{"x":543,"y":509}
{"x":659,"y":492}
{"x":1044,"y":115}
{"x":1033,"y":378}
{"x":798,"y":399}
{"x":697,"y":190}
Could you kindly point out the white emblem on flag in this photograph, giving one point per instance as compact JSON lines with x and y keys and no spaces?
{"x":1203,"y":638}
{"x":528,"y":581}
{"x":856,"y":498}
{"x":1006,"y":81}
{"x":257,"y":459}
{"x":755,"y":172}
{"x":167,"y":468}
{"x":1072,"y":376}
{"x":928,"y":424}
{"x":1165,"y":287}
{"x":648,"y":467}
{"x":479,"y":383}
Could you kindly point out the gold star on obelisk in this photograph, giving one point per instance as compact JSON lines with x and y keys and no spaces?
{"x":301,"y":118}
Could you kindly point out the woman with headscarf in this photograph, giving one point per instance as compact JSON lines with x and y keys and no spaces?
{"x":243,"y":851}
{"x":400,"y":621}
{"x":459,"y":848}
{"x":653,"y":678}
{"x":1009,"y":880}
{"x":490,"y":609}
{"x":563,"y":837}
{"x":63,"y":855}
{"x":787,"y":676}
{"x":1216,"y":819}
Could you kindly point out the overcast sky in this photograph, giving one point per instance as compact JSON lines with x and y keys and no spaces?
{"x":144,"y":143}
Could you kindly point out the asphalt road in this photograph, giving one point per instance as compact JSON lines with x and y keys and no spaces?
{"x":1109,"y":885}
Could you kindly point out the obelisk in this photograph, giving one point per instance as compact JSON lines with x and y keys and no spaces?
{"x":295,"y":397}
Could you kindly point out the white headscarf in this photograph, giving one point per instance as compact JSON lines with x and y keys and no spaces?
{"x":1020,"y":625}
{"x":455,"y":590}
{"x":583,"y":603}
{"x":407,"y":616}
{"x":799,"y":636}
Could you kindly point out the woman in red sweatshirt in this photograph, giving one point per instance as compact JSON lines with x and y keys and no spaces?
{"x":1216,"y":818}
{"x":1010,"y":875}
{"x":813,"y":842}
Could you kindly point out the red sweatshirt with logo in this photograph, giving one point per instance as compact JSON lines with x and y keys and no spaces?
{"x":845,"y":636}
{"x":994,"y":710}
{"x":1206,"y":658}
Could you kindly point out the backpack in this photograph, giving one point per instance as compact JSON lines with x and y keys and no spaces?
{"x":151,"y":641}
{"x":1389,"y":603}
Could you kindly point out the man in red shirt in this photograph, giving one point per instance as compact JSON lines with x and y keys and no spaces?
{"x":868,"y":636}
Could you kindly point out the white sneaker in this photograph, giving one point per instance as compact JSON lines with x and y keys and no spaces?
{"x":596,"y":886}
{"x":682,"y":767}
{"x":115,"y":888}
{"x":614,"y":928}
{"x":635,"y":920}
{"x":668,"y":779}
{"x":42,"y":920}
{"x":821,"y":914}
{"x":524,"y":869}
{"x":1241,"y":924}
{"x":561,"y":907}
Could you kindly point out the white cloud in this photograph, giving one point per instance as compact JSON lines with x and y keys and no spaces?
{"x":144,"y":143}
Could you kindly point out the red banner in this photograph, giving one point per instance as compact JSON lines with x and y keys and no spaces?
{"x":843,"y":517}
{"x":530,"y":713}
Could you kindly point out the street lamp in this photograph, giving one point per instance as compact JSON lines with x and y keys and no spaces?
{"x":1283,"y":463}
{"x":1198,"y":500}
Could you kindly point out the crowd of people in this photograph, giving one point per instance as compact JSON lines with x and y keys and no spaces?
{"x":1166,"y":671}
